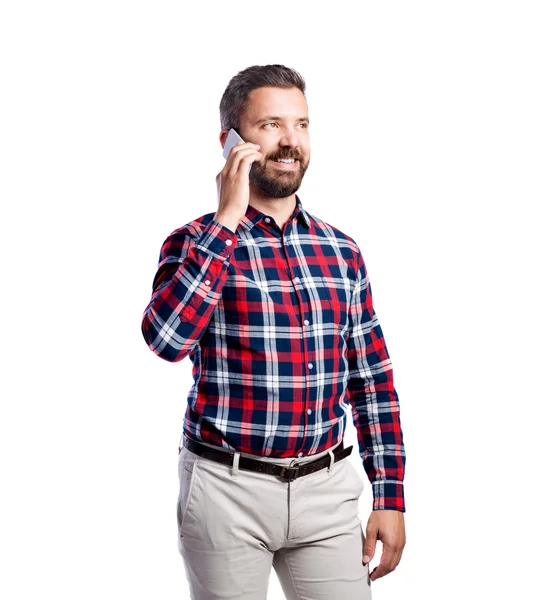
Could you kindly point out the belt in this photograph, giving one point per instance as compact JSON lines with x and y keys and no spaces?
{"x":250,"y":464}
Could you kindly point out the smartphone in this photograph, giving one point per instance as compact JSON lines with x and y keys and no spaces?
{"x":231,"y":140}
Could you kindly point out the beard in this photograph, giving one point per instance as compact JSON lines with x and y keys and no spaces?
{"x":278,"y":183}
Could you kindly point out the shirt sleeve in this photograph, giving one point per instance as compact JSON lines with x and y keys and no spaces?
{"x":186,"y":289}
{"x":374,"y":400}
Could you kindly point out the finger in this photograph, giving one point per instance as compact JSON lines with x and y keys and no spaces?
{"x":244,"y":145}
{"x":243,"y":161}
{"x":239,"y":148}
{"x":247,"y":161}
{"x":388,"y":563}
{"x":369,"y":547}
{"x":237,"y":156}
{"x":380,"y":571}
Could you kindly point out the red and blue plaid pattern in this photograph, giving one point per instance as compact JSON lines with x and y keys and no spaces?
{"x":284,"y":340}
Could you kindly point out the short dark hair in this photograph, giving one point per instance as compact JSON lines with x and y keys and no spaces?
{"x":234,"y":101}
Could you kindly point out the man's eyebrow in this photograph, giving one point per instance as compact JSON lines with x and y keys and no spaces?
{"x":304,"y":119}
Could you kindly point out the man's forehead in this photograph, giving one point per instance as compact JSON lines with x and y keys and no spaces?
{"x":267,"y":102}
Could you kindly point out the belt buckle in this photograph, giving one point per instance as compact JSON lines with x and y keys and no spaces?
{"x":296,"y":470}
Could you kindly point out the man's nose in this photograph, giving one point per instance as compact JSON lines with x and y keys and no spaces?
{"x":289,"y":138}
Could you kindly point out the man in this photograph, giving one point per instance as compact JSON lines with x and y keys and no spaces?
{"x":274,"y":308}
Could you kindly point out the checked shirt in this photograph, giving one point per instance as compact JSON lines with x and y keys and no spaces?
{"x":284,"y":340}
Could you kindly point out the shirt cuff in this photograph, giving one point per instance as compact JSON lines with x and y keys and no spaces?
{"x":388,"y":495}
{"x":217,"y":240}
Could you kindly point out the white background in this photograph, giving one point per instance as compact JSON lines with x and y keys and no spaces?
{"x":433,"y":131}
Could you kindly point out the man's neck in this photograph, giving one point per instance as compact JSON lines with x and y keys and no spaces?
{"x":280,"y":209}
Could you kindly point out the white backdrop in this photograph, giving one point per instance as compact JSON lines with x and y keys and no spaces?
{"x":433,"y":132}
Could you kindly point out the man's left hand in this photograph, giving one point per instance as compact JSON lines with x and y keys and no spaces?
{"x":387,"y":526}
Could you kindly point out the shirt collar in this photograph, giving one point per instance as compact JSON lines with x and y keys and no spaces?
{"x":254,"y":215}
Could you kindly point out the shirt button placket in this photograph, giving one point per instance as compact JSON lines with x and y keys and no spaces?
{"x":310,"y":365}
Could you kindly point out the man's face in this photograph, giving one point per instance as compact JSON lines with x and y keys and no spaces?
{"x":278,"y":120}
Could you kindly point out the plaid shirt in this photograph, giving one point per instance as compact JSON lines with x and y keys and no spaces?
{"x":284,"y":340}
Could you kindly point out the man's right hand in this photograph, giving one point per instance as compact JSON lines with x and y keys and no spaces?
{"x":233,"y":184}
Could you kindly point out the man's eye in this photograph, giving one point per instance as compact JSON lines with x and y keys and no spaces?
{"x":305,"y":125}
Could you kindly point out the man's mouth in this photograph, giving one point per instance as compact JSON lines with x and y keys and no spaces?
{"x":285,"y":163}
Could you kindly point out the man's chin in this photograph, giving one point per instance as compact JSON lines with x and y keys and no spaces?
{"x":274,"y":186}
{"x":276,"y":192}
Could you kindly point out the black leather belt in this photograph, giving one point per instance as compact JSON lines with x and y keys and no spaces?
{"x":282,"y":471}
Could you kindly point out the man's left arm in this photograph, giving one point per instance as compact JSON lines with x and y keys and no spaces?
{"x":376,"y":415}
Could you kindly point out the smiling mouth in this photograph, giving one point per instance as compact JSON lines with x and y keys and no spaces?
{"x":283,"y":165}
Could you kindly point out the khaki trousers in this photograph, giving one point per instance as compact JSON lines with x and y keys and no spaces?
{"x":234,"y":525}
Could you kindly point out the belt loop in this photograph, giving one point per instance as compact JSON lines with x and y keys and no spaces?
{"x":330,"y":467}
{"x":235,"y":463}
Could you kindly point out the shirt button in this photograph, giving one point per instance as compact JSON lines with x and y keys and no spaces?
{"x":267,"y":220}
{"x":228,"y":242}
{"x":310,"y":365}
{"x":300,"y":454}
{"x":297,"y":279}
{"x":306,"y":322}
{"x":309,"y":411}
{"x":207,"y":282}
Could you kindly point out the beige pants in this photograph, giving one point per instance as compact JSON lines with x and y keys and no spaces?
{"x":234,"y":525}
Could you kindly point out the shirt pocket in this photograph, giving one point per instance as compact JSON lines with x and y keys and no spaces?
{"x":243,"y":303}
{"x":330,"y":300}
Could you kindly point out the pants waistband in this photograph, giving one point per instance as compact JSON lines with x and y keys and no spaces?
{"x":297,"y":460}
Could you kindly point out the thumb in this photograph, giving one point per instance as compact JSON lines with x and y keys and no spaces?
{"x":369,"y":548}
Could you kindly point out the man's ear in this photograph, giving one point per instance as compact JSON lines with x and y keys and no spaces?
{"x":222,"y":137}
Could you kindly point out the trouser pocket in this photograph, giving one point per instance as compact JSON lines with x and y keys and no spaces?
{"x":353,"y":477}
{"x":187,"y":476}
